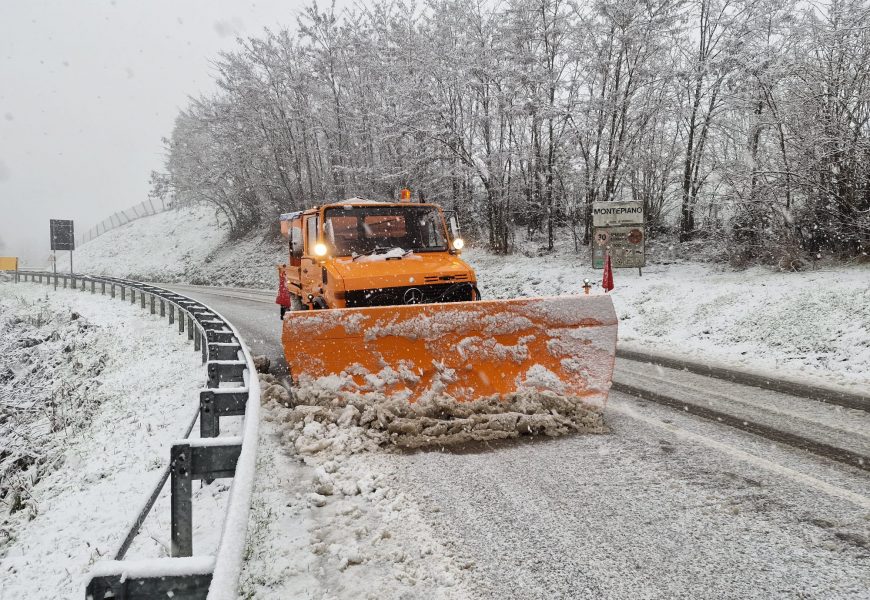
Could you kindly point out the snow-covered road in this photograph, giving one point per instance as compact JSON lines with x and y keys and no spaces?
{"x":667,"y":505}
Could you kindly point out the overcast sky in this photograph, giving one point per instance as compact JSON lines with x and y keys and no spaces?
{"x":87,"y":90}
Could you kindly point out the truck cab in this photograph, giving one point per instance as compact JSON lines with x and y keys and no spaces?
{"x":362,"y":253}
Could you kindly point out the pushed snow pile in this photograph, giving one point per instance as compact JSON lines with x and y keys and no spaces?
{"x":327,"y":521}
{"x":319,"y":418}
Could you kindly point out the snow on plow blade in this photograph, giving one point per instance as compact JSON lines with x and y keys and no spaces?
{"x":463,"y":350}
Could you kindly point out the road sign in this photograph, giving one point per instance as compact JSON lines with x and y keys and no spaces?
{"x":614,"y":214}
{"x":625,"y":245}
{"x":618,"y":230}
{"x":8,"y":263}
{"x":62,"y":237}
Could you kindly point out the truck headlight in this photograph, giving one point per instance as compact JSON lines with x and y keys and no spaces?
{"x":458,"y":244}
{"x":319,"y":249}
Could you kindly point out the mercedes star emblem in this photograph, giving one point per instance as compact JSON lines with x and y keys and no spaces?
{"x":413,"y":296}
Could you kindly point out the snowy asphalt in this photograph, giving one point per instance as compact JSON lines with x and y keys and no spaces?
{"x":667,"y":505}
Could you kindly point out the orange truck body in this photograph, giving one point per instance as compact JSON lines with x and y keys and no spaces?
{"x":412,"y":326}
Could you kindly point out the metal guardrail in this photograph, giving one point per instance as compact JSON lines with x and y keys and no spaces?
{"x":232,"y":389}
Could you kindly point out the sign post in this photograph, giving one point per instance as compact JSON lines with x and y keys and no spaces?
{"x":62,"y":238}
{"x":618,"y":231}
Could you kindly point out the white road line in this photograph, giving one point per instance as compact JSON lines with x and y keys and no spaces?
{"x":802,"y":478}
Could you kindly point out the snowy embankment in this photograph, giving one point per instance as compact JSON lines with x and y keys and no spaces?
{"x":92,"y":393}
{"x":188,"y":245}
{"x":813,"y":325}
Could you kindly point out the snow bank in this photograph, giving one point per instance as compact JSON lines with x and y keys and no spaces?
{"x":97,"y":390}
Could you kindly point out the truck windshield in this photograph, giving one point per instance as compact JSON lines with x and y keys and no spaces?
{"x":362,"y":230}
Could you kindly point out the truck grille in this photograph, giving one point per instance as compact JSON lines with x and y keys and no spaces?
{"x":427,"y":294}
{"x":445,"y":278}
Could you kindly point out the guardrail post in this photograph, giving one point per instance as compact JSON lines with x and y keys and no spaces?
{"x":65,"y":282}
{"x":162,"y":307}
{"x":132,"y":295}
{"x":180,"y":321}
{"x":123,"y":292}
{"x":171,"y":313}
{"x":225,"y":371}
{"x":103,"y":288}
{"x":196,"y":340}
{"x":217,"y":403}
{"x":181,"y":501}
{"x":209,"y":422}
{"x":189,"y":327}
{"x":93,"y":286}
{"x":142,"y":298}
{"x":189,"y":462}
{"x":224,"y":351}
{"x":214,"y":335}
{"x":153,"y":307}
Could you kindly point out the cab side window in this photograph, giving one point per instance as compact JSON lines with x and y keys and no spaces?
{"x":296,"y":245}
{"x":311,"y":237}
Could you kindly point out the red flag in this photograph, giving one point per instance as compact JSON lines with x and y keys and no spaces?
{"x":607,"y":281}
{"x":283,"y":293}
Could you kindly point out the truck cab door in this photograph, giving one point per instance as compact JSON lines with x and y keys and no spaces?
{"x":310,"y":275}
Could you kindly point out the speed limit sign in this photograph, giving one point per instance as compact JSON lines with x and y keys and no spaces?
{"x":602,"y":237}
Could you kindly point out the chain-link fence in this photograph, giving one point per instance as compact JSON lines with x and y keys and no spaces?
{"x":143,"y":209}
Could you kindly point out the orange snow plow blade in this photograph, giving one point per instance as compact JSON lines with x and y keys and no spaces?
{"x":464,"y":350}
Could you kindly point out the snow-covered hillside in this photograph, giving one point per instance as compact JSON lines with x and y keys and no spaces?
{"x":812,"y":325}
{"x":92,"y":394}
{"x":189,"y":245}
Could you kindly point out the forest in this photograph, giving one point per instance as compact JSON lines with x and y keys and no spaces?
{"x":743,"y":122}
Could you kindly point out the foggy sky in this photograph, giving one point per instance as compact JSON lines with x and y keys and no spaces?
{"x":88,"y":89}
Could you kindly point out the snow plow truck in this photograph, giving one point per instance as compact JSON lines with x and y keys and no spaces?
{"x":375,"y":297}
